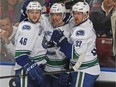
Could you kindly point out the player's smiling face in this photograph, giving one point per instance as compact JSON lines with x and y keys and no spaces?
{"x":34,"y":15}
{"x":56,"y":18}
{"x":78,"y":17}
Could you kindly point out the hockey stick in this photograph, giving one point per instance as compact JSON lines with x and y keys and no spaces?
{"x":113,"y":22}
{"x":11,"y":76}
{"x":45,"y":73}
{"x":73,"y":69}
{"x":79,"y":62}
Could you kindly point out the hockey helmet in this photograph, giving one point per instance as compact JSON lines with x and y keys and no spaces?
{"x":58,"y":8}
{"x":34,"y":5}
{"x":81,"y":7}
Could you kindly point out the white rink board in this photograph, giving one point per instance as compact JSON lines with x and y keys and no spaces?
{"x":107,"y":76}
{"x":6,"y":70}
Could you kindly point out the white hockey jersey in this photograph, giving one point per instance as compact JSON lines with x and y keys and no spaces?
{"x":56,"y":60}
{"x":84,"y":41}
{"x":37,"y":34}
{"x":29,"y":40}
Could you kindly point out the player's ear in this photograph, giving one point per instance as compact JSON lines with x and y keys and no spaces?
{"x":85,"y":15}
{"x":27,"y":13}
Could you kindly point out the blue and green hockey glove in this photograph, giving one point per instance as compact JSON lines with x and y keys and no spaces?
{"x":35,"y":71}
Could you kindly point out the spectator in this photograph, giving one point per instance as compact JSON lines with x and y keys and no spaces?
{"x":20,"y":1}
{"x":11,"y":8}
{"x":101,"y":18}
{"x":7,"y":36}
{"x":0,"y":8}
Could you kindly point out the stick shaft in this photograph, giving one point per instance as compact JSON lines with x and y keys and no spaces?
{"x":74,"y":68}
{"x":11,"y":76}
{"x":45,"y":73}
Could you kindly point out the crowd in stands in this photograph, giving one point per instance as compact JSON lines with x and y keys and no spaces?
{"x":101,"y":12}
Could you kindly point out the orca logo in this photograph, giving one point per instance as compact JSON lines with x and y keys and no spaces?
{"x":12,"y":83}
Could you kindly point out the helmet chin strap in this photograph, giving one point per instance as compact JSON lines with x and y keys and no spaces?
{"x":87,"y":16}
{"x":60,"y":22}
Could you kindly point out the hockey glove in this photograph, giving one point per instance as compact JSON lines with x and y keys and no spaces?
{"x":34,"y":71}
{"x":50,"y":44}
{"x":58,"y":37}
{"x":61,"y":41}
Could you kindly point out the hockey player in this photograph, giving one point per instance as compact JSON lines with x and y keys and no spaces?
{"x":56,"y":60}
{"x":82,"y":50}
{"x":44,"y":21}
{"x":30,"y":53}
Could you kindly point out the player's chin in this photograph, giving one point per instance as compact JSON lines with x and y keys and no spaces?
{"x":55,"y":24}
{"x":77,"y":22}
{"x":34,"y":21}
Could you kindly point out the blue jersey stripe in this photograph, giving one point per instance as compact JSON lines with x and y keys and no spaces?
{"x":108,"y":69}
{"x":7,"y":63}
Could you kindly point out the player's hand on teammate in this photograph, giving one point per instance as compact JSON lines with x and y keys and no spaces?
{"x":50,"y":44}
{"x":58,"y":37}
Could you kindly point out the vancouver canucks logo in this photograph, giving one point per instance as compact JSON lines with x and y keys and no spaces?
{"x":80,"y":32}
{"x":26,"y":27}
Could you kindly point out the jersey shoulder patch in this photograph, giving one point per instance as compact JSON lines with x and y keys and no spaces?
{"x":80,"y":32}
{"x":25,"y":25}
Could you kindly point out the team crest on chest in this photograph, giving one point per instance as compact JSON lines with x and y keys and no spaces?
{"x":26,"y":27}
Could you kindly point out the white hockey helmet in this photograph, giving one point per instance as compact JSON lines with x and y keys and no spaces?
{"x":81,"y":7}
{"x":58,"y":8}
{"x":34,"y":5}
